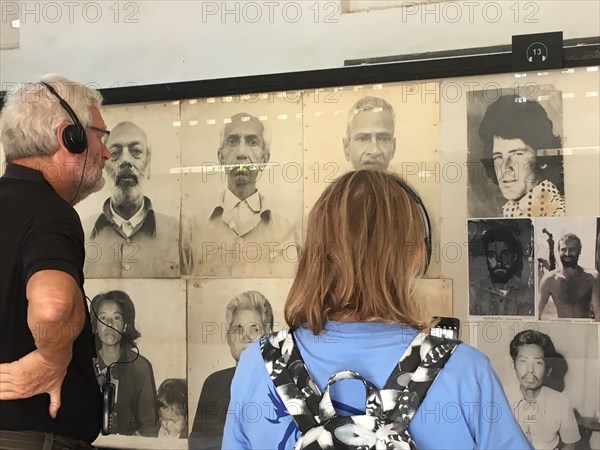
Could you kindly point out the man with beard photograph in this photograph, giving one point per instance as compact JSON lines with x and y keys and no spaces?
{"x":241,"y":235}
{"x":129,"y":239}
{"x":575,"y":290}
{"x":506,"y":289}
{"x":544,"y":414}
{"x":370,"y":141}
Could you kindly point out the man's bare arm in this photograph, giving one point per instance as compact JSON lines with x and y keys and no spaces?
{"x":544,"y":293}
{"x":55,"y":316}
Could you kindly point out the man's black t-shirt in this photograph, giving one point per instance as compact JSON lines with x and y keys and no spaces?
{"x":38,"y":231}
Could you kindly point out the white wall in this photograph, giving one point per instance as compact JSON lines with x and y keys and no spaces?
{"x":146,"y":42}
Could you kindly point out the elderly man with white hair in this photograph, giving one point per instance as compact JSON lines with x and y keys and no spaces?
{"x":239,"y":234}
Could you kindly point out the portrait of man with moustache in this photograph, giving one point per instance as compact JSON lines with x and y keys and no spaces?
{"x":370,"y":141}
{"x":544,"y":414}
{"x":240,"y":232}
{"x":503,"y":291}
{"x":129,"y":239}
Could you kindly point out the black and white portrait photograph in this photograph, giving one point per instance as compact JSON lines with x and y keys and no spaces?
{"x":242,"y":185}
{"x":393,"y":126}
{"x":132,"y":225}
{"x":501,"y":272}
{"x":224,"y":317}
{"x":598,"y":244}
{"x":568,"y":281}
{"x":515,"y":142}
{"x":2,"y":160}
{"x":550,"y":373}
{"x":139,"y":327}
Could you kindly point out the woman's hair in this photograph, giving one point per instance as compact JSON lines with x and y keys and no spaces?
{"x":130,"y":333}
{"x":365,"y":245}
{"x":172,"y":393}
{"x":252,"y":300}
{"x":32,"y":114}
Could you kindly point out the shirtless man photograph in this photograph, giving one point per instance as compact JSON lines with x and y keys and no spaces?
{"x":575,"y":290}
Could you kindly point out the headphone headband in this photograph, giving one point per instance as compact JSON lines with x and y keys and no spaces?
{"x":424,"y":215}
{"x":74,"y":137}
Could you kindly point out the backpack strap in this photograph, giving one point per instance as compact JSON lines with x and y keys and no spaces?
{"x":287,"y":370}
{"x":415,"y":373}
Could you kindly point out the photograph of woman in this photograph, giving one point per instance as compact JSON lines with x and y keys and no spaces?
{"x":113,"y":322}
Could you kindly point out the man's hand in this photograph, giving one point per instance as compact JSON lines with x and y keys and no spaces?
{"x":32,"y":375}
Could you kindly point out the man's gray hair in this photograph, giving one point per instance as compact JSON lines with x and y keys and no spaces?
{"x":245,"y":117}
{"x":252,"y":300}
{"x":375,"y":104}
{"x":32,"y":114}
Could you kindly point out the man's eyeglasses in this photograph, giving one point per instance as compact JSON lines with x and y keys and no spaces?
{"x":105,"y":133}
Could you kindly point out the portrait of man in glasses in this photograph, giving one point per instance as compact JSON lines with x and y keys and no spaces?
{"x":129,"y":239}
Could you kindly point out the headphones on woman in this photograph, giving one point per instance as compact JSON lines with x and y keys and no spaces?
{"x":74,"y":137}
{"x":426,"y":222}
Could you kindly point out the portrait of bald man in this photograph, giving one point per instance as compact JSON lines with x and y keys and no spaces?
{"x":370,"y":141}
{"x":129,"y":239}
{"x":240,"y":232}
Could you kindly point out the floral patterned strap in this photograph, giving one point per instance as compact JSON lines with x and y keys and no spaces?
{"x":397,"y":401}
{"x":373,"y":398}
{"x":415,"y":373}
{"x":295,"y":387}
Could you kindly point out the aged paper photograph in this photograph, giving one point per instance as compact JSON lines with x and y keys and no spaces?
{"x":224,"y":317}
{"x":390,"y":126}
{"x":140,"y":334}
{"x":242,"y":185}
{"x":550,"y":373}
{"x":132,"y":225}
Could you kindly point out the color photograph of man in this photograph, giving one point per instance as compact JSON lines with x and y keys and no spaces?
{"x":507,"y":288}
{"x":129,"y":238}
{"x":544,"y":414}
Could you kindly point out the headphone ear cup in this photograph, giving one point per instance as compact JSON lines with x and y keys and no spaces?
{"x":74,"y":139}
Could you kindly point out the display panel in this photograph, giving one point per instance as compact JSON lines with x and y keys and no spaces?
{"x":436,"y":143}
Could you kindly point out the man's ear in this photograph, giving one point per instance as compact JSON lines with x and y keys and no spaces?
{"x":149,"y":163}
{"x":548,"y":372}
{"x":346,"y":150}
{"x":59,"y":134}
{"x":393,"y":148}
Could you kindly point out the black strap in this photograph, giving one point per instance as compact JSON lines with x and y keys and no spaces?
{"x":287,"y":374}
{"x":422,"y":374}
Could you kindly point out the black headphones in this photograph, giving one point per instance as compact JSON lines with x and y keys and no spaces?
{"x":74,"y":137}
{"x":426,"y":222}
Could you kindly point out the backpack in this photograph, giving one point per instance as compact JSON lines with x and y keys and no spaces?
{"x":387,"y":411}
